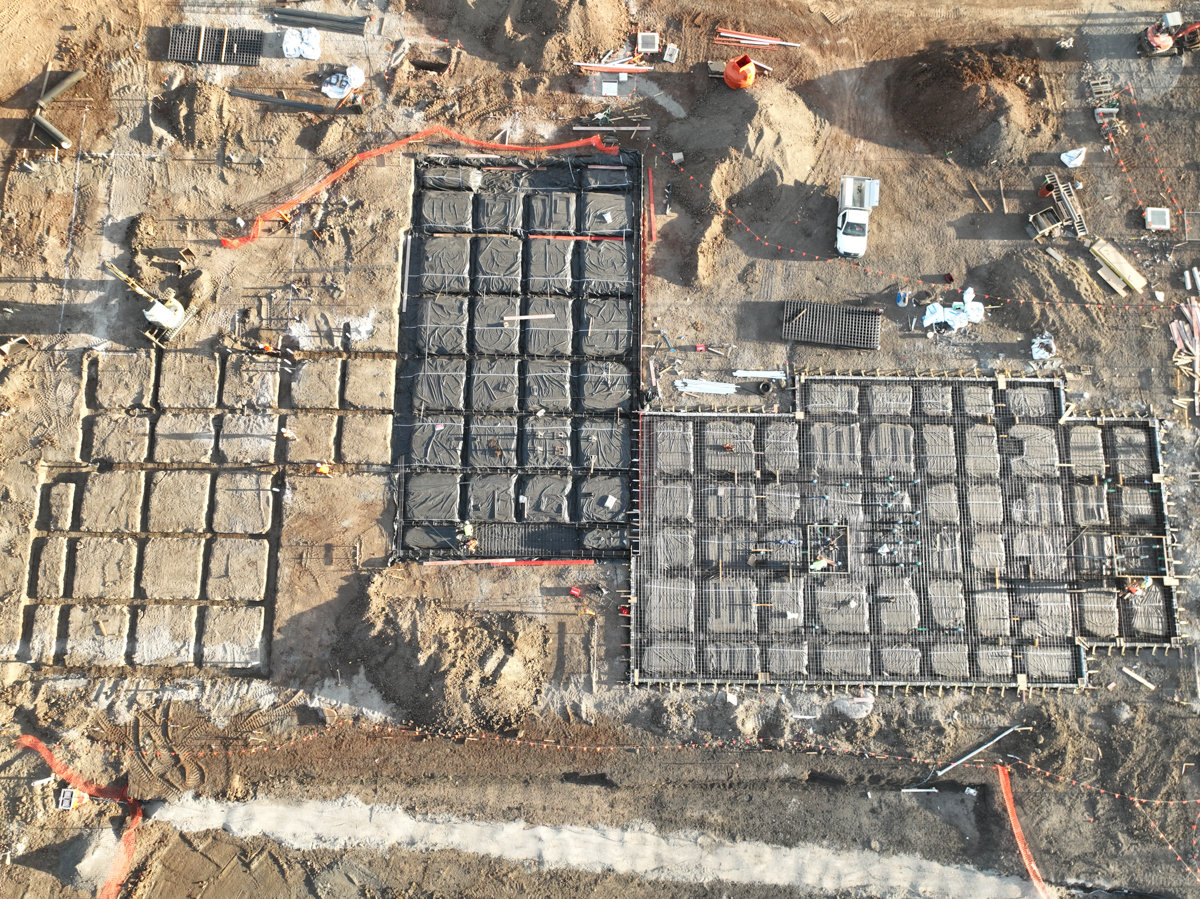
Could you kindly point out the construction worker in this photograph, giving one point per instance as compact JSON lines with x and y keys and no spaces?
{"x":287,"y":434}
{"x":266,"y":349}
{"x":1138,"y":588}
{"x":323,"y":469}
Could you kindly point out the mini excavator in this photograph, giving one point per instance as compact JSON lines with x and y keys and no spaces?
{"x":1169,"y":37}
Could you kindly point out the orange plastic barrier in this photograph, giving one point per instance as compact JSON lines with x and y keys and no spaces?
{"x":235,"y":242}
{"x":1022,"y":846}
{"x":740,"y":72}
{"x":116,"y":876}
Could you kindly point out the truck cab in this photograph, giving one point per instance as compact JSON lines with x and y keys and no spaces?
{"x":856,"y":198}
{"x":852,"y":232}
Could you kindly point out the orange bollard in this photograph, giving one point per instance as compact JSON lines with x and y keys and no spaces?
{"x":739,"y":72}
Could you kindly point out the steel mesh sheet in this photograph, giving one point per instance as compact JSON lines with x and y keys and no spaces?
{"x":830,"y":325}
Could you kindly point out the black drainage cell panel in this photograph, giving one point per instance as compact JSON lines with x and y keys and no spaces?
{"x":831,"y":325}
{"x":221,"y":46}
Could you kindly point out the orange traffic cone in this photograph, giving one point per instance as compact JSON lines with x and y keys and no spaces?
{"x":739,"y":72}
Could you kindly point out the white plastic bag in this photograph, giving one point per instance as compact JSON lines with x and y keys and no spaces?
{"x":336,"y":86}
{"x":356,"y":76}
{"x":1073,"y":159}
{"x":306,"y":43}
{"x":1043,"y":346}
{"x":291,"y":43}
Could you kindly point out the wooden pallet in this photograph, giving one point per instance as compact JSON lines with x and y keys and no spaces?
{"x":1068,"y":204}
{"x":1102,"y":90}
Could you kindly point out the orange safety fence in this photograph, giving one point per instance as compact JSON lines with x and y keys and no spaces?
{"x":1026,"y":855}
{"x":233,"y":243}
{"x":124,"y":857}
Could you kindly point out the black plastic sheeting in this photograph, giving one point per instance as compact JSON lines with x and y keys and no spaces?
{"x":547,"y":443}
{"x":440,"y":383}
{"x":606,"y":177}
{"x":603,"y":443}
{"x":669,"y":659}
{"x":426,"y":537}
{"x":546,"y":497}
{"x":548,"y":266}
{"x":607,"y":214}
{"x":459,"y":177}
{"x":493,"y":335}
{"x":606,"y":268}
{"x":492,"y":442}
{"x":606,"y":327}
{"x":447,"y":210}
{"x":494,"y":385}
{"x":537,"y":482}
{"x":445,"y":265}
{"x":501,"y":213}
{"x":673,"y":445}
{"x":606,"y":539}
{"x":603,"y":499}
{"x":431,"y":496}
{"x":551,"y":213}
{"x":549,"y":336}
{"x":436,"y":442}
{"x":492,"y":497}
{"x":547,"y":386}
{"x":604,"y":386}
{"x":442,"y":325}
{"x":497,"y":264}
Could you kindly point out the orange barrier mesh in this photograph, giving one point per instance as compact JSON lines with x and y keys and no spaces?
{"x":232,"y":243}
{"x":124,"y":857}
{"x":1022,"y":846}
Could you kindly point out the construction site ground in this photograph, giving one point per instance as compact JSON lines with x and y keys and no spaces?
{"x":300,"y":718}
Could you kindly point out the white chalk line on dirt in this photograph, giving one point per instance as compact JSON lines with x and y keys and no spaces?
{"x":687,"y":857}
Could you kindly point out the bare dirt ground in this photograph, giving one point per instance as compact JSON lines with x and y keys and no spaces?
{"x":928,"y":97}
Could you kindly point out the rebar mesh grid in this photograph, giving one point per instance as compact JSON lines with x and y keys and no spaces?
{"x":220,"y":46}
{"x":829,"y":324}
{"x":898,"y":531}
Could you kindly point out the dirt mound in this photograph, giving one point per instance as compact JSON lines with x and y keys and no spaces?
{"x":947,"y":97}
{"x":198,"y":113}
{"x":543,"y":35}
{"x":760,"y":147}
{"x":446,"y":667}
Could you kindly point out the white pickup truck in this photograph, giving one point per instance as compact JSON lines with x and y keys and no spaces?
{"x":856,"y":198}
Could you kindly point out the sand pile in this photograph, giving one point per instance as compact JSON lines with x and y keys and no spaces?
{"x":760,"y":147}
{"x":545,"y":36}
{"x":451,"y":668}
{"x":947,"y":97}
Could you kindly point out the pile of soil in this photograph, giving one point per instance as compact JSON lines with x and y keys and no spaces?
{"x":544,"y":36}
{"x":760,"y":147}
{"x":449,"y":668}
{"x":947,"y":97}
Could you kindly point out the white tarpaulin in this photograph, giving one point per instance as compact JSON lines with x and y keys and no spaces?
{"x":957,"y":316}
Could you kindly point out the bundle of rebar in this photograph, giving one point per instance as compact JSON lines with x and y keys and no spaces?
{"x":301,"y":18}
{"x":744,"y":39}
